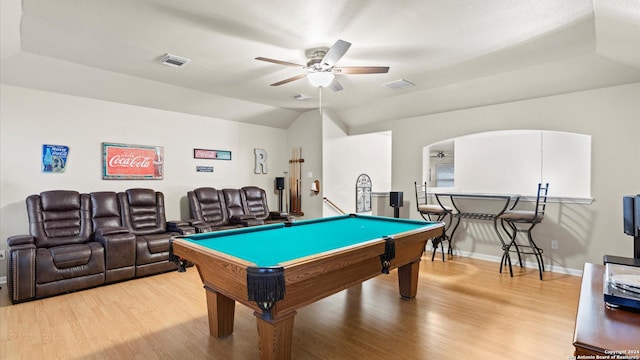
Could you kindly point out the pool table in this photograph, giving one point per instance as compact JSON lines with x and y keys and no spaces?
{"x":276,"y":269}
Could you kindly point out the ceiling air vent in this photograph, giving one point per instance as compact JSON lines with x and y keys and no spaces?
{"x":175,"y":61}
{"x":302,"y":97}
{"x":399,"y":84}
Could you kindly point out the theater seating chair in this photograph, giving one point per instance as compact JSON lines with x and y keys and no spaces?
{"x":237,"y":208}
{"x":256,"y":205}
{"x":143,"y":213}
{"x":60,"y":254}
{"x":119,"y":243}
{"x":209,"y":210}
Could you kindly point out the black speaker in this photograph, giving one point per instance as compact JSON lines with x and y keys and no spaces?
{"x":631,"y":214}
{"x":279,"y":183}
{"x":395,"y":199}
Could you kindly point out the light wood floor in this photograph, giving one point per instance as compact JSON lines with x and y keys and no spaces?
{"x":465,"y":309}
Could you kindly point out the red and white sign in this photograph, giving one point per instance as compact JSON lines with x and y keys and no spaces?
{"x":211,"y":154}
{"x":123,"y":161}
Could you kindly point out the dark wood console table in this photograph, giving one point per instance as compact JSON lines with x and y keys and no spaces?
{"x":600,"y":330}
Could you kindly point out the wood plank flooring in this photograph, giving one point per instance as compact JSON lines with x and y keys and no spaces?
{"x":465,"y":309}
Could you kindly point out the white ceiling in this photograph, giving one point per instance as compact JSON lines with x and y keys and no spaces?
{"x":459,"y":53}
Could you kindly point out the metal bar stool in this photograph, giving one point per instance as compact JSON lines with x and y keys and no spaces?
{"x":523,"y":221}
{"x":433,"y":212}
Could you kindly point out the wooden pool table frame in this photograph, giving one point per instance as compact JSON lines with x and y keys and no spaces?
{"x":307,"y":280}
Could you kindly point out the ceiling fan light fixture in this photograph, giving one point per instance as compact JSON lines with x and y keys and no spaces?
{"x":320,"y":79}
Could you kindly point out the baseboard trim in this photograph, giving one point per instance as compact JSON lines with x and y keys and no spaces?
{"x":527,"y":264}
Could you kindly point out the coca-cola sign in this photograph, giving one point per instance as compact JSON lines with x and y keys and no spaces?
{"x":211,"y":154}
{"x":124,"y":161}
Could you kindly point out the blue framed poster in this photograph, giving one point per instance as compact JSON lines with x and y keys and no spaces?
{"x":54,"y":158}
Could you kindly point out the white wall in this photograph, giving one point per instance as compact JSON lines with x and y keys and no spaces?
{"x":515,"y":161}
{"x":611,"y":116}
{"x":306,"y":133}
{"x":29,"y":119}
{"x":346,"y":157}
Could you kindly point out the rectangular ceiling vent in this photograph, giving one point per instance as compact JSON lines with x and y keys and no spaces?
{"x":175,"y":61}
{"x":302,"y":97}
{"x":399,"y":84}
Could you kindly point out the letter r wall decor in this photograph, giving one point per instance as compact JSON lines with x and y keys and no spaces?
{"x":131,"y":162}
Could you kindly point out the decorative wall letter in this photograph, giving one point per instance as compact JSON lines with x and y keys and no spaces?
{"x":261,"y":161}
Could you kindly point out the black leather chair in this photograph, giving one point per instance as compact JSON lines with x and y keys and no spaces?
{"x":523,"y":221}
{"x":60,"y":254}
{"x":143,"y":213}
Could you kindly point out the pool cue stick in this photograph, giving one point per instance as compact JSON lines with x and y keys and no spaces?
{"x":300,"y":178}
{"x":295,"y":166}
{"x":286,"y":196}
{"x":291,"y":185}
{"x":295,"y":184}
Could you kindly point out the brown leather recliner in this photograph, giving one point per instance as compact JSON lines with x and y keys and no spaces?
{"x":119,"y":243}
{"x":143,"y":213}
{"x":209,"y":210}
{"x":60,"y":254}
{"x":256,"y":205}
{"x":237,"y":208}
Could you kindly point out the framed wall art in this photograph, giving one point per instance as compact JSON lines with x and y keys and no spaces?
{"x":132,"y":162}
{"x":54,"y":158}
{"x":211,"y":154}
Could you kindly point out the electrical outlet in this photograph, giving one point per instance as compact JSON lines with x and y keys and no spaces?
{"x":2,"y":254}
{"x":554,"y":244}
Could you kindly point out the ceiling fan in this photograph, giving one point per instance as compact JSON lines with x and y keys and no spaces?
{"x":321,"y":66}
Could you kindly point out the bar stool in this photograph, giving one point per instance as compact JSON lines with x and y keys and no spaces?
{"x":429,"y":212}
{"x":523,"y":221}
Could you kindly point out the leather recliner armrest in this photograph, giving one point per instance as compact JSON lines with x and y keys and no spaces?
{"x":20,"y":240}
{"x":181,"y":227}
{"x":246,"y":220}
{"x":278,"y":215}
{"x":112,"y":230}
{"x":242,"y":217}
{"x":21,"y":257}
{"x":203,"y":228}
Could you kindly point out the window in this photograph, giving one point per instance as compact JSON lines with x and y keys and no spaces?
{"x":444,"y":175}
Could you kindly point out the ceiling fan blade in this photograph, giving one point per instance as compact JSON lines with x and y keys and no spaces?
{"x":297,"y":77}
{"x":361,"y":70}
{"x":280,"y":62}
{"x":334,"y":54}
{"x":335,"y":85}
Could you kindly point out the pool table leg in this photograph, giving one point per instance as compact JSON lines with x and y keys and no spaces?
{"x":408,"y":279}
{"x":275,"y":336}
{"x":221,"y":311}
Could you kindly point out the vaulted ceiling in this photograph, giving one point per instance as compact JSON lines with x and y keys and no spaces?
{"x":458,"y":53}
